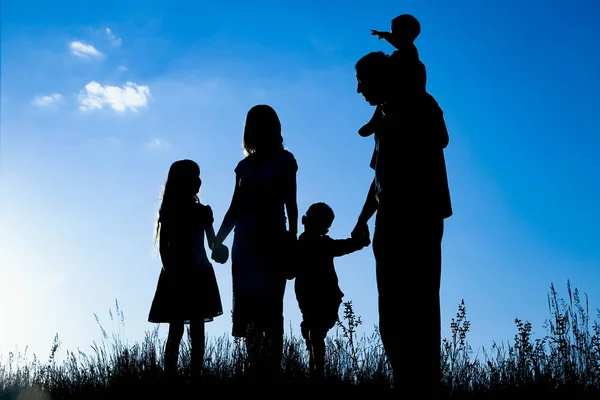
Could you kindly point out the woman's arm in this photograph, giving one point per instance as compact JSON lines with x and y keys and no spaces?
{"x":291,"y":205}
{"x":230,"y":217}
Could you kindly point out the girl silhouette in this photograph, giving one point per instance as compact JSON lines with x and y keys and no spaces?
{"x":187,"y":290}
{"x":265,"y":189}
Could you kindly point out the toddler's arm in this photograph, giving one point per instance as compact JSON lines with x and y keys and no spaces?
{"x":342,"y":247}
{"x":387,"y":36}
{"x":380,"y":34}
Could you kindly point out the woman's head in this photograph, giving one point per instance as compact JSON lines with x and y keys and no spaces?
{"x":262,"y":131}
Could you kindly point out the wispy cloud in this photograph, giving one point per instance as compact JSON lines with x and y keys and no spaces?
{"x":121,"y":68}
{"x":80,"y":49}
{"x":46,"y":100}
{"x":131,"y":97}
{"x":323,"y":45}
{"x":114,"y":39}
{"x":157,"y":144}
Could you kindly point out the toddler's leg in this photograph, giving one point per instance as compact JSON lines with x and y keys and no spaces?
{"x":305,"y":329}
{"x":370,"y":126}
{"x":317,"y":338}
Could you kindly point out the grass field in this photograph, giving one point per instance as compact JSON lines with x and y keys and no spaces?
{"x":565,"y":363}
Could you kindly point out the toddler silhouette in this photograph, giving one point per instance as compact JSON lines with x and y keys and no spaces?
{"x":412,"y":75}
{"x":316,"y":287}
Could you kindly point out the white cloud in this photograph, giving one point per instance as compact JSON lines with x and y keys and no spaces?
{"x":80,"y":49}
{"x":121,"y":68}
{"x":157,"y":144}
{"x":114,"y":39}
{"x":120,"y":99}
{"x":46,"y":101}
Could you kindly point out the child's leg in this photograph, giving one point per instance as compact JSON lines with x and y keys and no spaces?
{"x":370,"y":126}
{"x":172,"y":347}
{"x":197,"y":333}
{"x":305,"y":330}
{"x":317,"y":338}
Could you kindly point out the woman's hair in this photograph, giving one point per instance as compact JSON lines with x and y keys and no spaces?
{"x":177,"y":190}
{"x":262,"y":131}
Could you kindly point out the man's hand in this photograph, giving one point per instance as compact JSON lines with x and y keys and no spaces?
{"x":364,"y":240}
{"x":361,"y":231}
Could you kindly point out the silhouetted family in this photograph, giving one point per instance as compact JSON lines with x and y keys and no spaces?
{"x":409,"y":197}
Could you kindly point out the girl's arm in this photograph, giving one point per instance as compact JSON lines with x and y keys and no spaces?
{"x":210,"y":236}
{"x":163,"y":246}
{"x":230,"y":217}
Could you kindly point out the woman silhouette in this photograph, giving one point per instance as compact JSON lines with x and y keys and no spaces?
{"x":265,"y":190}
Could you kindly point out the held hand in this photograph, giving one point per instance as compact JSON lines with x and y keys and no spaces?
{"x":365,"y":240}
{"x":360,"y":231}
{"x":220,"y":253}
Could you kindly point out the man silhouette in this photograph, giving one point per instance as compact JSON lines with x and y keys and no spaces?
{"x":411,"y":199}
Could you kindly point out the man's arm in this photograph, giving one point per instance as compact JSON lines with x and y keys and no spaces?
{"x":361,"y":228}
{"x":370,"y":205}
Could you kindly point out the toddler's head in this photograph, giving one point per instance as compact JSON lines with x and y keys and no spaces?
{"x":405,"y":28}
{"x":318,"y":218}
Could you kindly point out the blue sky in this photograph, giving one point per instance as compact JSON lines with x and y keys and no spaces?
{"x":92,"y":118}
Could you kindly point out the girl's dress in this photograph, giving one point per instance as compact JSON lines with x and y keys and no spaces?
{"x":258,"y":270}
{"x":187,"y":288}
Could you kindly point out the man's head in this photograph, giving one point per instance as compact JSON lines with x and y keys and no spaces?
{"x":373,"y":74}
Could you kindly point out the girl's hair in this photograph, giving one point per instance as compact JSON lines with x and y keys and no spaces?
{"x":176,"y":191}
{"x":262,"y":131}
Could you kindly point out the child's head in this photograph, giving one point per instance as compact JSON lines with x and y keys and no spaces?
{"x":181,"y":188}
{"x":405,"y":27}
{"x":182,"y":185}
{"x":262,"y":131}
{"x":318,"y":218}
{"x":183,"y":179}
